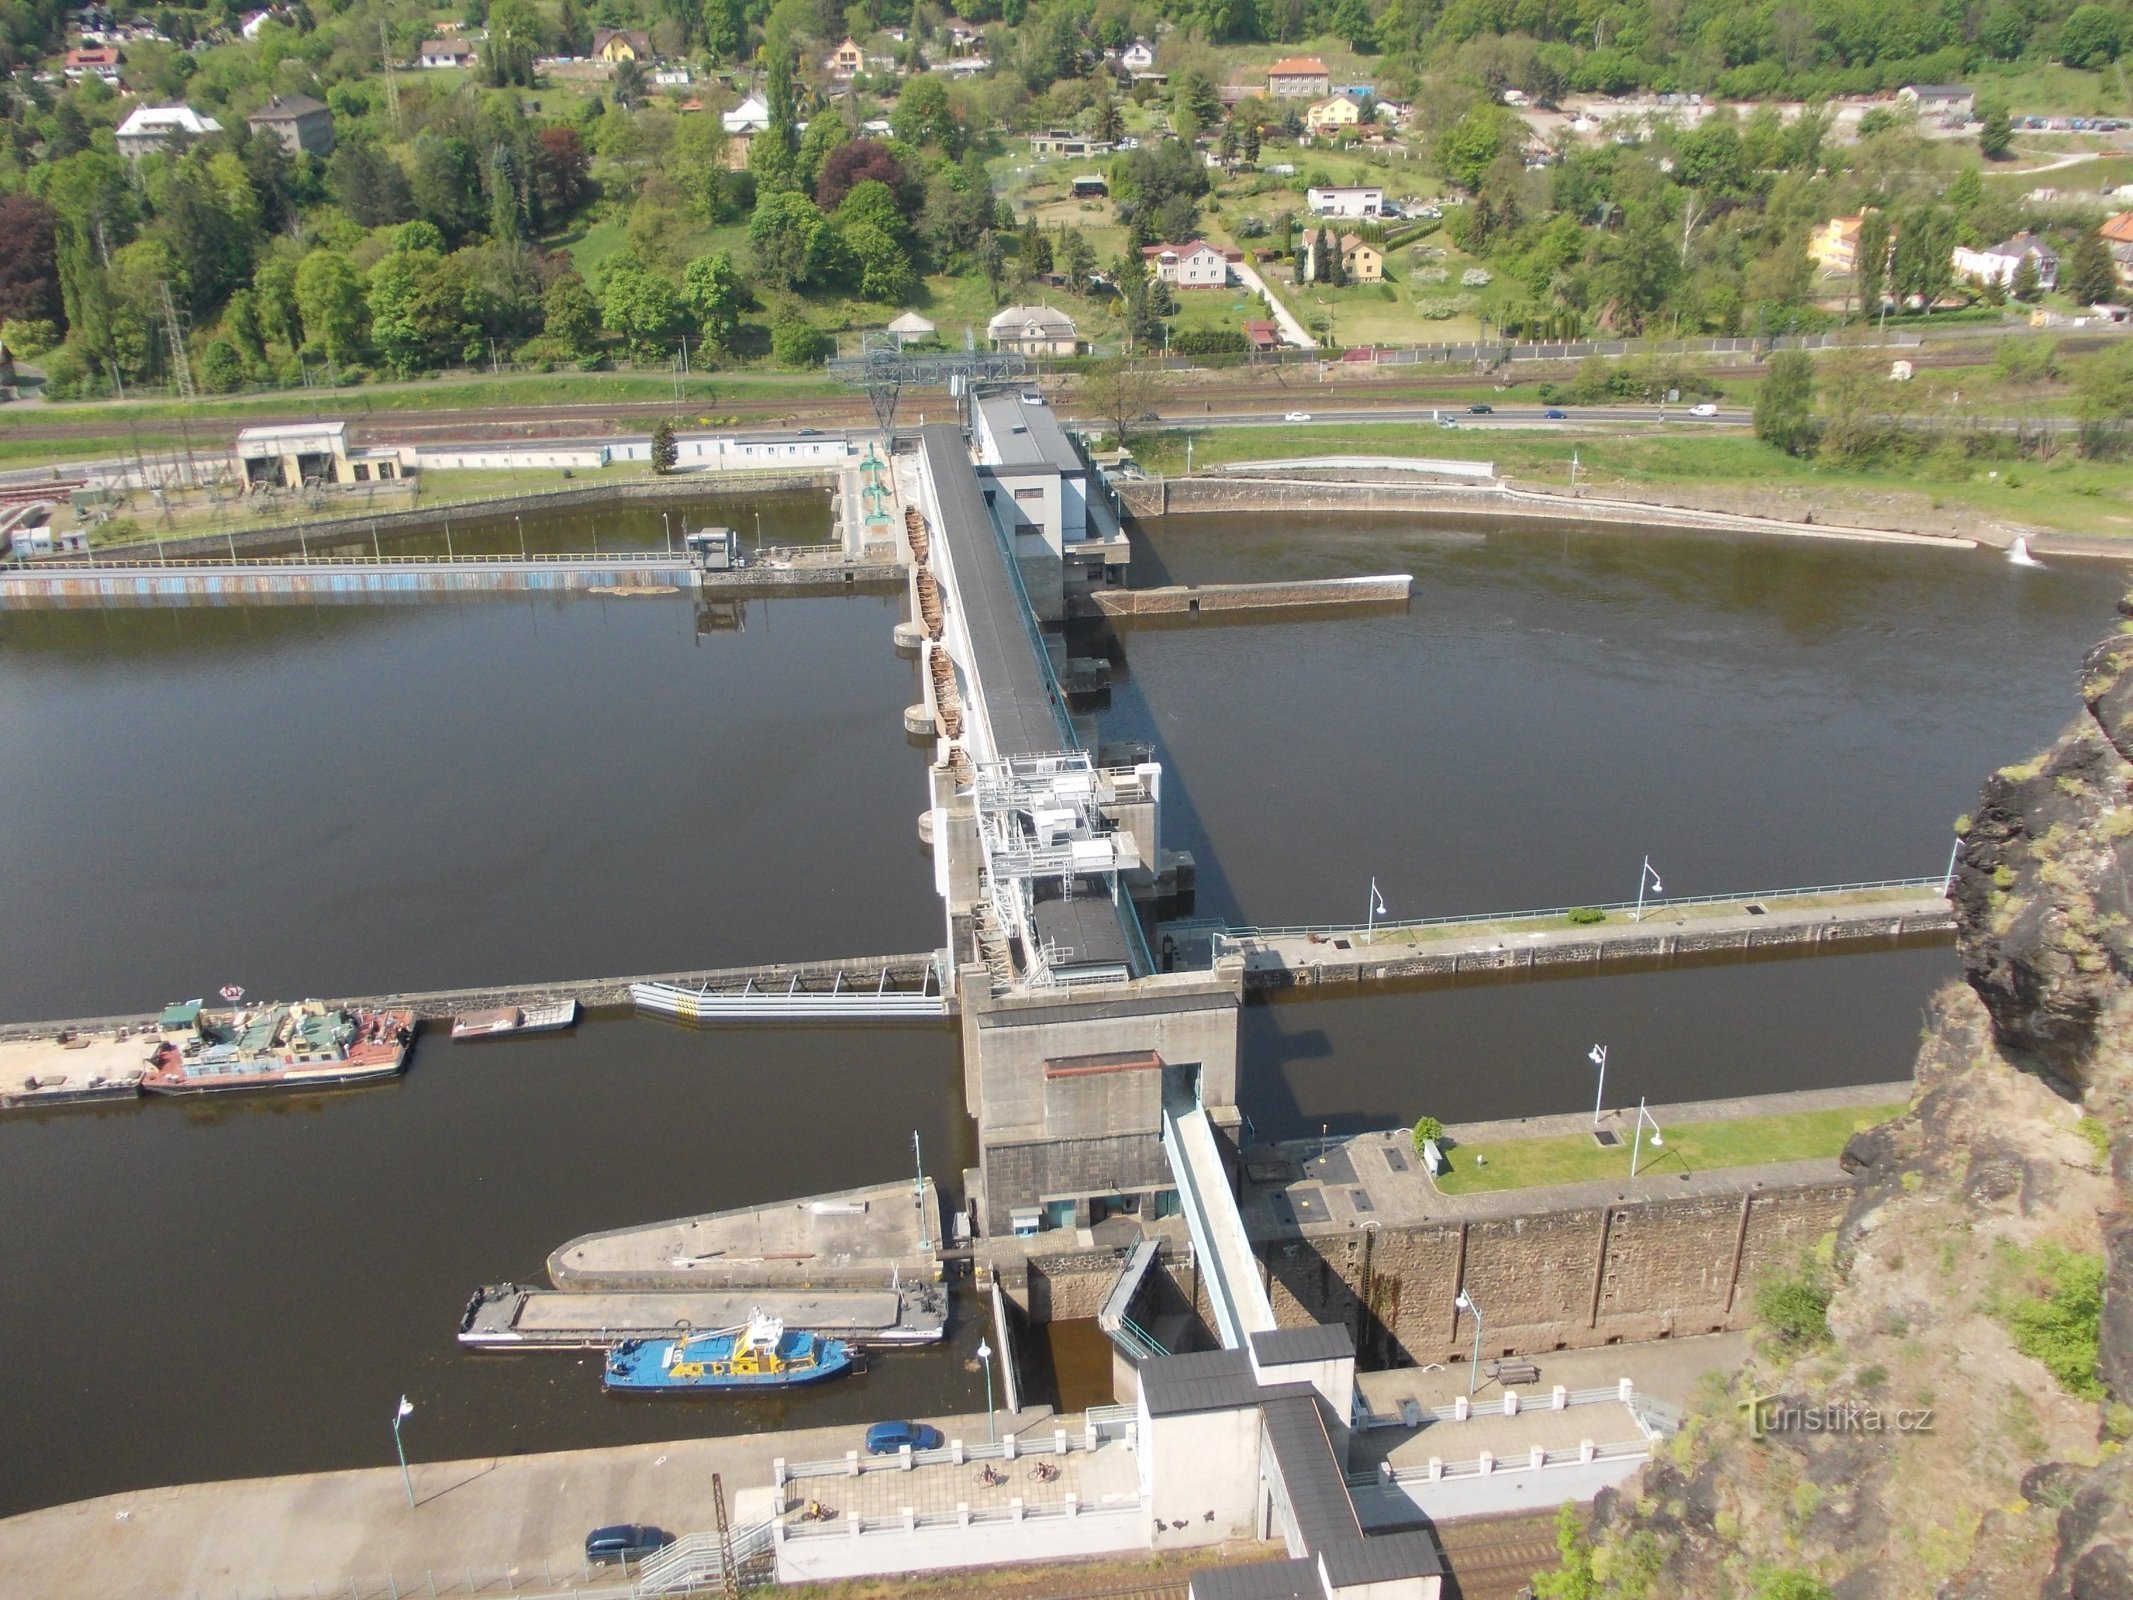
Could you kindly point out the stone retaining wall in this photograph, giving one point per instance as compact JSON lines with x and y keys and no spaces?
{"x":1553,"y":1279}
{"x":1179,"y":599}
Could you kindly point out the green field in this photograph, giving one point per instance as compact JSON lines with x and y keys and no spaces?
{"x":1685,"y":1147}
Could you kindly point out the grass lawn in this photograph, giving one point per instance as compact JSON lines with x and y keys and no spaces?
{"x":2094,"y":497}
{"x":2053,"y":90}
{"x":1687,"y":1147}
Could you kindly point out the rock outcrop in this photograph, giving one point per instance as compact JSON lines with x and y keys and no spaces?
{"x":1957,"y":1465}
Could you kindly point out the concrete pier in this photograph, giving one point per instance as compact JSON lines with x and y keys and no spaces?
{"x":510,"y":1316}
{"x":855,"y":1238}
{"x":1200,"y":599}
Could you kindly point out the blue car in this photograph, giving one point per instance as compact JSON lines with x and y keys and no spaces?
{"x":1555,"y":414}
{"x":624,"y":1542}
{"x":886,"y":1438}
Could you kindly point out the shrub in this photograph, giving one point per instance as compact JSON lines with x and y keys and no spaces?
{"x":1477,"y":278}
{"x":1585,"y":916}
{"x":796,"y":342}
{"x":1209,"y":342}
{"x":1426,"y":1129}
{"x":2060,"y":1324}
{"x":67,"y":377}
{"x":1795,"y":1307}
{"x":28,"y":339}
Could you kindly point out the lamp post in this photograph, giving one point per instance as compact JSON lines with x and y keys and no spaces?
{"x":1658,"y":1138}
{"x":985,"y":1356}
{"x":1598,"y":1057}
{"x":1465,"y":1303}
{"x":521,"y":521}
{"x":1649,"y":874}
{"x":1375,"y":911}
{"x":406,"y":1481}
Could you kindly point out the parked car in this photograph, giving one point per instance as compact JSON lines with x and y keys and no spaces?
{"x":1555,"y":414}
{"x":886,"y":1438}
{"x":810,"y":433}
{"x":625,"y":1541}
{"x":1704,"y":410}
{"x":1297,"y":416}
{"x":1481,"y":408}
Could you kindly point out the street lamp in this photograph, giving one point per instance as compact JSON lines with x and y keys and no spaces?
{"x":985,"y":1356}
{"x":1658,"y":1139}
{"x":407,"y":1482}
{"x":521,"y":521}
{"x":1651,"y":874}
{"x":1377,"y":910}
{"x":1598,"y":1057}
{"x":1465,"y":1303}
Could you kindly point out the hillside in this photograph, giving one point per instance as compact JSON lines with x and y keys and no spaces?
{"x":1951,"y":1424}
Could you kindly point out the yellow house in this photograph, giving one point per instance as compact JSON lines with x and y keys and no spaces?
{"x":1336,"y":112}
{"x":617,"y":45}
{"x":1362,"y":261}
{"x":846,"y":60}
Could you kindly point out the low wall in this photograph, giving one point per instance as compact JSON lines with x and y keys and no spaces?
{"x":1554,"y":1274}
{"x":1602,"y":950}
{"x":1180,"y":599}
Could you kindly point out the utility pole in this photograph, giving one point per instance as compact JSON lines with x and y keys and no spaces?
{"x":392,"y":81}
{"x":180,"y":368}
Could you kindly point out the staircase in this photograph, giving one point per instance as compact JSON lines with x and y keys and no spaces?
{"x":695,"y":1562}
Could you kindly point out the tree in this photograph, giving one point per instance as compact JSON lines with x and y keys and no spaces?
{"x":1122,"y":392}
{"x":29,"y":261}
{"x":665,"y":452}
{"x":562,"y":171}
{"x":2091,"y":36}
{"x":883,"y":269}
{"x":712,"y":289}
{"x":368,"y":184}
{"x":2023,"y":285}
{"x":2091,"y":276}
{"x":329,"y":296}
{"x":1784,"y":408}
{"x":2103,"y":400}
{"x":785,"y":239}
{"x":1870,"y":260}
{"x":569,"y":314}
{"x":923,"y":114}
{"x":1034,"y":252}
{"x":1995,"y":134}
{"x":400,"y":302}
{"x":1426,"y":1129}
{"x":825,"y":135}
{"x":773,"y":154}
{"x":640,"y":305}
{"x":796,"y":342}
{"x":1573,"y":1577}
{"x":1465,"y":149}
{"x":1077,"y":259}
{"x":447,"y":187}
{"x":221,"y":368}
{"x":629,"y":88}
{"x":992,"y":261}
{"x":861,"y":161}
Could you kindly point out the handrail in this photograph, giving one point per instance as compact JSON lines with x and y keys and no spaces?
{"x":1671,"y":902}
{"x":601,"y":558}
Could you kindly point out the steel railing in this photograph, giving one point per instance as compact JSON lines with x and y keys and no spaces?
{"x":698,"y":1560}
{"x":1650,"y":906}
{"x":603,"y":558}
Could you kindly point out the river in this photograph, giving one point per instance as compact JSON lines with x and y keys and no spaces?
{"x":342,"y":799}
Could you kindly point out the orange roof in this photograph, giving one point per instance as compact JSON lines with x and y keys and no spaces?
{"x":1299,"y":67}
{"x":2118,"y":229}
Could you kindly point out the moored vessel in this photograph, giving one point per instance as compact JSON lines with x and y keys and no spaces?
{"x":503,"y":1020}
{"x":760,"y":1354}
{"x":309,"y":1045}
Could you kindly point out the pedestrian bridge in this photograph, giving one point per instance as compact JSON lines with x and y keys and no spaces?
{"x":1229,"y":1270}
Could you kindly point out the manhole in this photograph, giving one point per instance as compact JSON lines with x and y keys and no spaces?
{"x":1755,"y":910}
{"x":1606,"y":1138}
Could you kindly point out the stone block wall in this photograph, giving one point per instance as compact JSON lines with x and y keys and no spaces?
{"x":1551,"y":1279}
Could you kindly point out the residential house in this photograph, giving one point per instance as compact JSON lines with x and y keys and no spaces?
{"x":1299,"y":78}
{"x":672,"y":78}
{"x":1089,"y":188}
{"x":1363,"y":261}
{"x":846,"y":61}
{"x":1138,"y":56}
{"x":249,"y":25}
{"x":2118,"y":234}
{"x":95,"y":61}
{"x":1198,"y":265}
{"x":617,"y":45}
{"x":1034,"y":331}
{"x":1064,"y":142}
{"x":1834,"y":246}
{"x":1346,"y":200}
{"x":752,"y":115}
{"x":151,"y":128}
{"x":1947,"y":102}
{"x":437,"y":53}
{"x":301,"y":123}
{"x":1998,"y":263}
{"x":1335,"y":111}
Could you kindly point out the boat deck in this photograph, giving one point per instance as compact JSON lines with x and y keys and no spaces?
{"x":93,"y":1066}
{"x":512,"y":1316}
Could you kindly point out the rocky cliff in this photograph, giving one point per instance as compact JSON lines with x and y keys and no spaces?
{"x":1942,"y":1428}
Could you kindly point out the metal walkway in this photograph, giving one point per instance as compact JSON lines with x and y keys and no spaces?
{"x":842,"y":995}
{"x":1229,"y":1269}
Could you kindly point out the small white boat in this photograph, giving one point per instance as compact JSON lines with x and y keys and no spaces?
{"x":496,"y":1023}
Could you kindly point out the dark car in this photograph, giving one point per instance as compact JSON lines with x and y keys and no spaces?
{"x":886,"y":1438}
{"x":1481,"y":408}
{"x":809,"y":433}
{"x":625,"y":1541}
{"x":1555,"y":414}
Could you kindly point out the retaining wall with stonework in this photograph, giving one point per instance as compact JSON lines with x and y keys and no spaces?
{"x":1552,"y":1273}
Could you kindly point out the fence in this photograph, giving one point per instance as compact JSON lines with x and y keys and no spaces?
{"x":955,"y":1453}
{"x":851,"y":1525}
{"x":1654,"y":904}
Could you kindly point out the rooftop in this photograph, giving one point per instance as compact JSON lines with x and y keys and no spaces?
{"x":1298,"y":67}
{"x":288,"y":107}
{"x":1025,"y":433}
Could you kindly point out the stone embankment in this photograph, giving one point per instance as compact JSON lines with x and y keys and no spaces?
{"x":1201,"y":598}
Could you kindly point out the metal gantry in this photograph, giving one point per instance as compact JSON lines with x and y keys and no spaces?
{"x":885,"y":369}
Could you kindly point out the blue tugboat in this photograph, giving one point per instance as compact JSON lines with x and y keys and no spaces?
{"x":759,"y":1355}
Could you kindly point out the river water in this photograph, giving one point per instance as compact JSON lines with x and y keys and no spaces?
{"x":343,"y":799}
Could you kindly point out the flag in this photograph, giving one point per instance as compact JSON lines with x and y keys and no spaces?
{"x":232,"y":993}
{"x":1377,"y":901}
{"x":407,"y":1406}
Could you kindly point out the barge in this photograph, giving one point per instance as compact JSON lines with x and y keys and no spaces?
{"x":305,"y":1046}
{"x":503,"y":1020}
